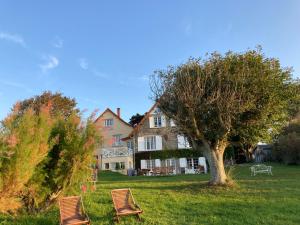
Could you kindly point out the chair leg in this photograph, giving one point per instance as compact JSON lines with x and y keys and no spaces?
{"x":117,"y":219}
{"x":138,"y":217}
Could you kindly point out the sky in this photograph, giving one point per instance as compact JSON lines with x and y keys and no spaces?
{"x":102,"y":52}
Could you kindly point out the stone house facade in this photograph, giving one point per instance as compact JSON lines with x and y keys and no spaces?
{"x":114,"y":153}
{"x":157,"y":133}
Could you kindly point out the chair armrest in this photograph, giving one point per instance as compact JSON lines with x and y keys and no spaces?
{"x":136,"y":205}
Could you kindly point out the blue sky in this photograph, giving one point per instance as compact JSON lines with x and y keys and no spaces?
{"x":102,"y":52}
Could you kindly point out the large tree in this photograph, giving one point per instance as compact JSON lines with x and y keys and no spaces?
{"x":222,"y":96}
{"x":135,"y":119}
{"x":60,"y":104}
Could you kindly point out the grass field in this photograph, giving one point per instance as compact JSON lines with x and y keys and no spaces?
{"x":185,"y":199}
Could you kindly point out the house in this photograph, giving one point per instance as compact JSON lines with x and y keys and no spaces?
{"x":155,"y":135}
{"x":114,"y":154}
{"x":262,"y":152}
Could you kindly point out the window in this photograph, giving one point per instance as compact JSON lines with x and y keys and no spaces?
{"x":192,"y":163}
{"x":150,"y":143}
{"x":120,"y":166}
{"x":183,"y":142}
{"x":150,"y":164}
{"x":108,"y":122}
{"x":170,"y":162}
{"x":106,"y":166}
{"x":157,"y":121}
{"x":117,"y":140}
{"x":157,"y":110}
{"x":130,"y":145}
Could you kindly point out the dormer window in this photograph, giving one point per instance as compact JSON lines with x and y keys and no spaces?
{"x":157,"y":121}
{"x":156,"y":111}
{"x":108,"y":122}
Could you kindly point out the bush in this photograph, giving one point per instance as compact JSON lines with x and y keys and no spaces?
{"x":42,"y":156}
{"x":287,"y":148}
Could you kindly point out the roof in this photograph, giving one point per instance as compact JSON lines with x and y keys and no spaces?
{"x":109,"y":110}
{"x":138,"y":126}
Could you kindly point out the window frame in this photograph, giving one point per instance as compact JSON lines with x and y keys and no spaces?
{"x":150,"y":141}
{"x":109,"y":122}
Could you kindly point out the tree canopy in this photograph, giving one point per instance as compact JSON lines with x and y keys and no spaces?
{"x":135,"y":119}
{"x":214,"y":99}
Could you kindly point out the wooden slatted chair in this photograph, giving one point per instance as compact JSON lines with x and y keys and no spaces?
{"x":72,"y":211}
{"x":124,"y":203}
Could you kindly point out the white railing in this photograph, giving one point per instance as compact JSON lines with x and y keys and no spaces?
{"x":116,"y":152}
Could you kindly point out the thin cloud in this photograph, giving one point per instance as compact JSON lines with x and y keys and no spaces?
{"x":96,"y":73}
{"x":144,"y":78}
{"x":58,"y":42}
{"x":188,"y":29}
{"x":51,"y":62}
{"x":83,"y":63}
{"x":16,"y":85}
{"x":15,"y":38}
{"x":89,"y":100}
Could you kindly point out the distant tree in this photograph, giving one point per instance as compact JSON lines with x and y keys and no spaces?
{"x":287,"y":147}
{"x":135,"y":119}
{"x":222,"y":96}
{"x":60,"y":104}
{"x":249,"y":136}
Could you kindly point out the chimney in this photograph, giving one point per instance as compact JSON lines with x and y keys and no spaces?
{"x":119,"y":112}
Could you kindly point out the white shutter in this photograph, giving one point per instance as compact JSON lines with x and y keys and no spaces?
{"x":172,"y":123}
{"x":202,"y":162}
{"x":143,"y":164}
{"x":141,"y":144}
{"x":151,"y":121}
{"x":158,"y":143}
{"x":180,"y":141}
{"x":163,"y":121}
{"x":182,"y":162}
{"x":157,"y":163}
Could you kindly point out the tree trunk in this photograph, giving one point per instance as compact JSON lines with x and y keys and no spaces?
{"x":214,"y":157}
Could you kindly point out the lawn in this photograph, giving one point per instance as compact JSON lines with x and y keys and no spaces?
{"x":185,"y":199}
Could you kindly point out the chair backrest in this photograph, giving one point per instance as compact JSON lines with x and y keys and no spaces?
{"x":122,"y":198}
{"x":70,"y":207}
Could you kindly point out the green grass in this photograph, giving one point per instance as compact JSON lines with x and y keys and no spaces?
{"x":185,"y":199}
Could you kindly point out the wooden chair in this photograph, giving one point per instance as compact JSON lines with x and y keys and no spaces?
{"x":72,"y":211}
{"x":124,"y":203}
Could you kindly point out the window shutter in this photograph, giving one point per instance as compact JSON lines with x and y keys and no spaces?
{"x":180,"y":141}
{"x":163,"y":121}
{"x":157,"y":163}
{"x":151,"y":121}
{"x":182,"y":162}
{"x":202,"y":162}
{"x":158,"y":142}
{"x":172,"y":123}
{"x":141,"y":144}
{"x":143,"y":164}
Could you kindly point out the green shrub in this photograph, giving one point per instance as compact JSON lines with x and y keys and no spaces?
{"x":287,"y":148}
{"x":43,"y":155}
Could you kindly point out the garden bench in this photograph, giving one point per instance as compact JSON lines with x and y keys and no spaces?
{"x":124,"y":203}
{"x":261,"y":168}
{"x":72,"y":211}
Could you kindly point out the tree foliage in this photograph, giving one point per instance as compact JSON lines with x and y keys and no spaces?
{"x":287,"y":147}
{"x":24,"y":144}
{"x":43,"y":155}
{"x":60,"y":105}
{"x":222,"y":96}
{"x":135,"y":119}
